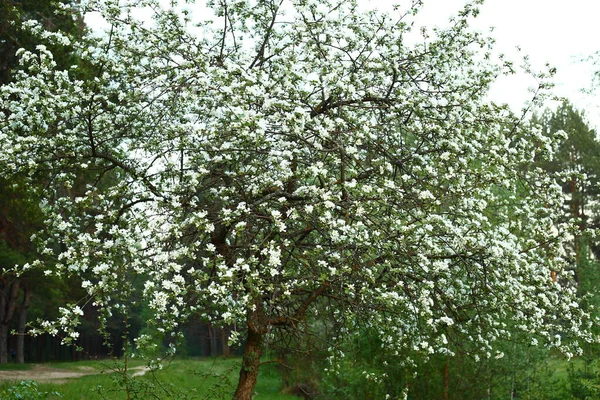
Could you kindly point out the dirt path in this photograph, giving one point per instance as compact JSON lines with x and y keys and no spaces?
{"x":47,"y":374}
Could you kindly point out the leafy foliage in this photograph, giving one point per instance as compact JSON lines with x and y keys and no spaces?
{"x":27,"y":390}
{"x":273,"y":167}
{"x":13,"y":35}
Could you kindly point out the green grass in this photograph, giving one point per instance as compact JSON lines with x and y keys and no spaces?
{"x":15,"y":367}
{"x":560,"y":366}
{"x":199,"y":378}
{"x":207,"y":378}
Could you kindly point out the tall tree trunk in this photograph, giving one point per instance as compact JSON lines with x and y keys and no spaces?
{"x":212,"y":337}
{"x":24,"y":308}
{"x":257,"y":329}
{"x":225,"y":341}
{"x":3,"y":343}
{"x":8,"y":302}
{"x":575,"y":215}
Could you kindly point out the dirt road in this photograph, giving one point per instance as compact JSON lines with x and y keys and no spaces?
{"x":47,"y":374}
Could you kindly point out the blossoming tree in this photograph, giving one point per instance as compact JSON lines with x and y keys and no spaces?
{"x":285,"y":155}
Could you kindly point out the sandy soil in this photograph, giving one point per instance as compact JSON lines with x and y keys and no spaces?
{"x":47,"y":374}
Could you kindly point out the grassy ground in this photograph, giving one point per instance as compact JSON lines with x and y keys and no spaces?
{"x":15,"y":367}
{"x":181,"y":379}
{"x":186,"y":379}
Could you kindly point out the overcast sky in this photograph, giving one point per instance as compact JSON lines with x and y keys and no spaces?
{"x":559,"y":32}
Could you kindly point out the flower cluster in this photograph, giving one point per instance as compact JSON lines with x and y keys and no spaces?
{"x":243,"y":173}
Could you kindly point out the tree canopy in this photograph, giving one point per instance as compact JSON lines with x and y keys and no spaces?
{"x":287,"y":158}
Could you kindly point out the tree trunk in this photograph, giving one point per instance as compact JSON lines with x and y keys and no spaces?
{"x":8,"y":302}
{"x":3,"y":343}
{"x":22,"y":322}
{"x":212,"y":337}
{"x":225,"y":341}
{"x":250,"y":365}
{"x":257,"y":329}
{"x":575,"y":215}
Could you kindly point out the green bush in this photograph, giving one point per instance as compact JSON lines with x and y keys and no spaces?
{"x":26,"y":390}
{"x":584,"y":383}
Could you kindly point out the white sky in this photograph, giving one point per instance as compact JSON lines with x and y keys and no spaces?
{"x":558,"y":32}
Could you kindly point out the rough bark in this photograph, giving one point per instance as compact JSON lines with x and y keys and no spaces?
{"x":257,"y":328}
{"x":23,"y":309}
